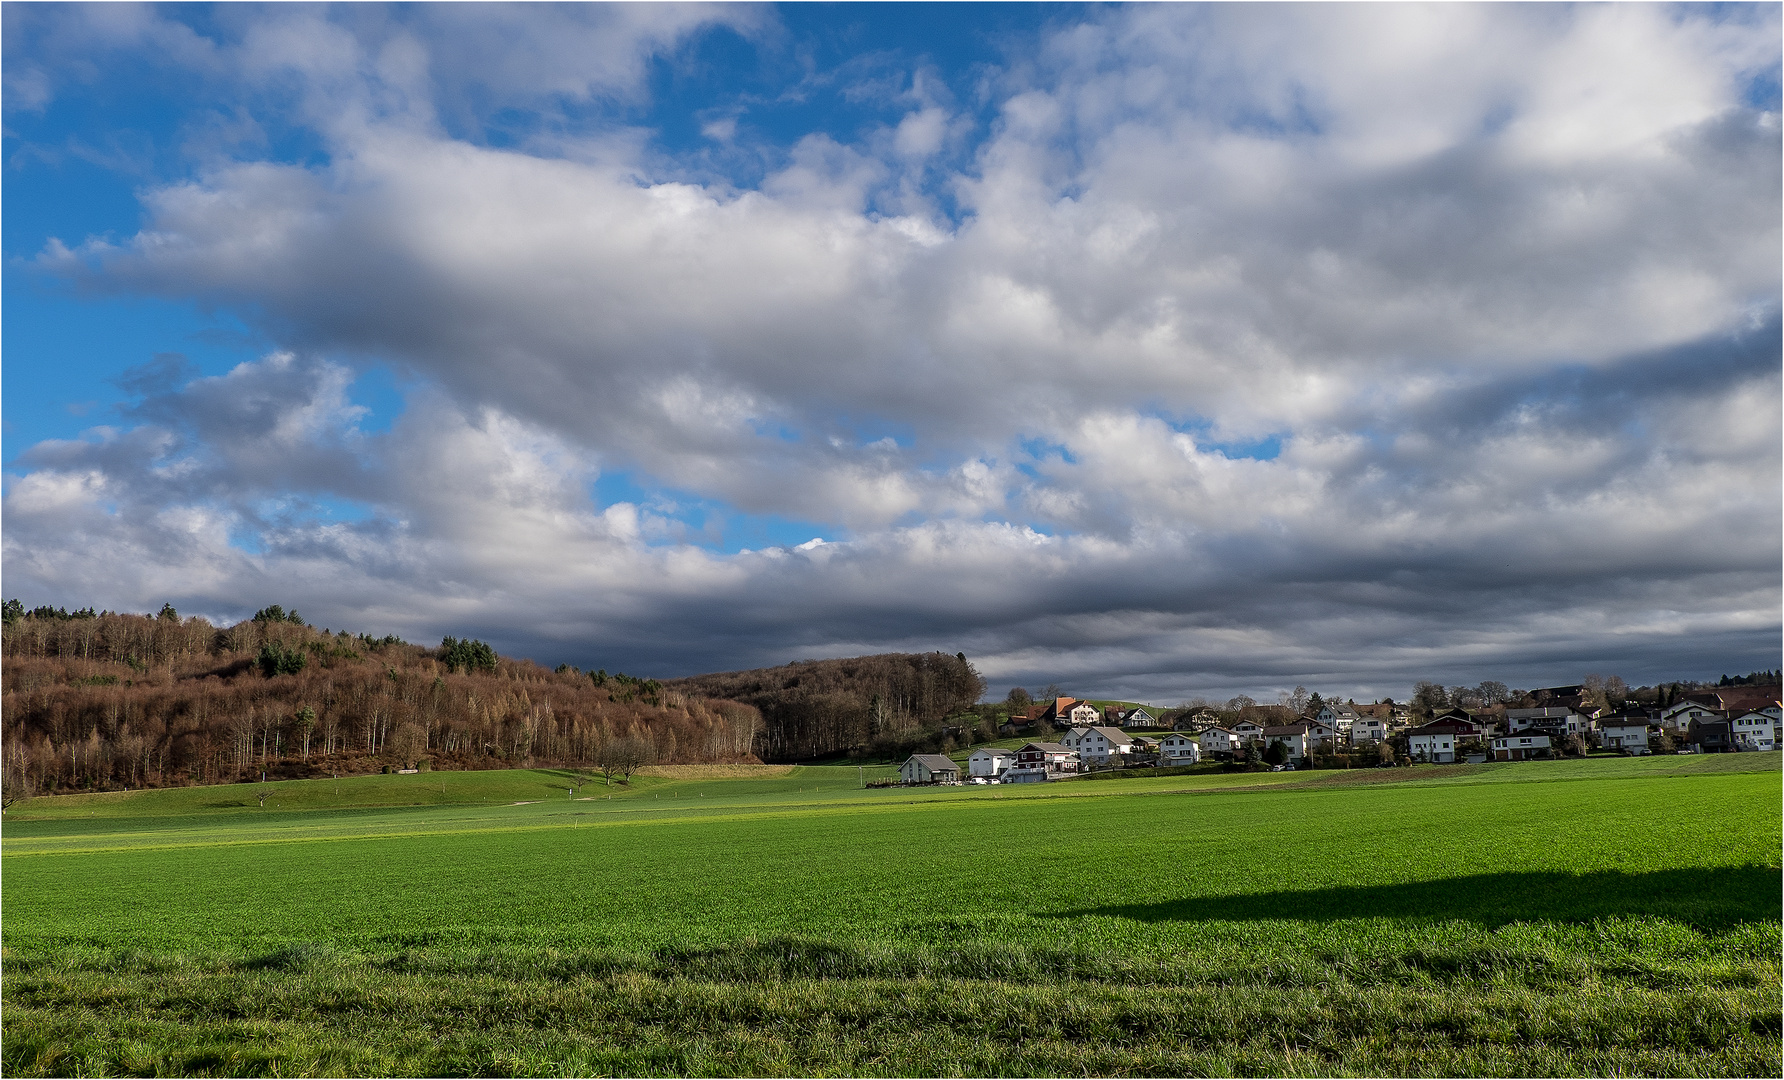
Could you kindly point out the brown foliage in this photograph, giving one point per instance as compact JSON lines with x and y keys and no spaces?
{"x":815,"y":708}
{"x":124,"y":701}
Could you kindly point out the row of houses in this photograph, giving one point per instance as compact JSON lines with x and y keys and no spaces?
{"x":1721,"y":720}
{"x":1078,"y":750}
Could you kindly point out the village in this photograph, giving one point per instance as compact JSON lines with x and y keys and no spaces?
{"x":1563,"y":721}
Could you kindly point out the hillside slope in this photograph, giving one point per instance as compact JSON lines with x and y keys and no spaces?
{"x":815,"y":708}
{"x":107,"y":701}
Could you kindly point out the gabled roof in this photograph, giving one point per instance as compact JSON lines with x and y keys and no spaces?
{"x":1286,"y":729}
{"x":1552,"y":712}
{"x":994,"y":751}
{"x":1215,"y":727}
{"x":935,"y":762}
{"x":1113,"y":734}
{"x":1049,"y":747}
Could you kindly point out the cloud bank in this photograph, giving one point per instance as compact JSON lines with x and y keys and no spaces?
{"x":1188,"y":351}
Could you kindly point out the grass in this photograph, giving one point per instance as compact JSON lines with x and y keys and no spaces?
{"x":1532,"y":918}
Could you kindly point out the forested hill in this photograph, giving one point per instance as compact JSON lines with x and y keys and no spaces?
{"x":106,"y":701}
{"x":817,"y":708}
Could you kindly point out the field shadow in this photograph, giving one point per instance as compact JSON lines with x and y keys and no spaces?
{"x":1713,"y":899}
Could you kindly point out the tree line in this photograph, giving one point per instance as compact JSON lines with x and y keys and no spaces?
{"x":820,"y":708}
{"x":102,"y":701}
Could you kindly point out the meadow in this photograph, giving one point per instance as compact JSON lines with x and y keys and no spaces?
{"x":1544,"y":918}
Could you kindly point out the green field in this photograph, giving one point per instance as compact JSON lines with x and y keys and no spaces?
{"x":1603,"y":916}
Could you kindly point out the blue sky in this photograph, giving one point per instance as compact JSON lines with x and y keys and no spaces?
{"x":1152,"y":351}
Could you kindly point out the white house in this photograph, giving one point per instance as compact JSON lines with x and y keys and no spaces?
{"x":1216,"y":740}
{"x":1556,"y":720}
{"x":1181,"y":749}
{"x":1096,"y":745}
{"x":1629,"y":736}
{"x":1518,"y":746}
{"x":1678,"y":715}
{"x":1437,"y":741}
{"x":1138,"y":718}
{"x":989,"y":762}
{"x":1072,"y":712}
{"x":1368,"y":729}
{"x":1337,"y":715}
{"x":1248,"y":731}
{"x":929,"y":769}
{"x":1293,"y":738}
{"x":1323,"y":735}
{"x":1754,"y":730}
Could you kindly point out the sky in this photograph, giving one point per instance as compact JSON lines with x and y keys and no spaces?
{"x":1151,"y":352}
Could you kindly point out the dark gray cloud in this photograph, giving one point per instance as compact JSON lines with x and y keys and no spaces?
{"x":1506,"y":314}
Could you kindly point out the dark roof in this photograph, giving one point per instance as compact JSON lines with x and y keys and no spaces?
{"x":935,"y":762}
{"x":1050,"y":747}
{"x":1286,"y":729}
{"x":1446,"y":727}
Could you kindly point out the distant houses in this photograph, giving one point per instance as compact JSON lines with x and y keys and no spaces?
{"x":1556,"y":720}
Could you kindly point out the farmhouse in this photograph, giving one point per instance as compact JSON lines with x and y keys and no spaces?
{"x":1180,"y":749}
{"x":1073,"y":712}
{"x":929,"y":769}
{"x":1520,"y":746}
{"x":989,"y":762}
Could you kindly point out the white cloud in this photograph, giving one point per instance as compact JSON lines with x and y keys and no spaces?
{"x":1460,"y":263}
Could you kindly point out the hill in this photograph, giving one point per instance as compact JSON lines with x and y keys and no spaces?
{"x":104,"y":701}
{"x":818,"y":708}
